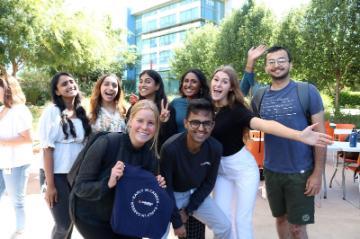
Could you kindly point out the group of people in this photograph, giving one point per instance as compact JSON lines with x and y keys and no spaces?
{"x":194,"y":146}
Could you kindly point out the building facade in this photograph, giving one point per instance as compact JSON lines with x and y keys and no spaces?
{"x":158,"y":30}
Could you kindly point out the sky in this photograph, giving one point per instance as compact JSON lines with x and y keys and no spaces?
{"x":281,"y":7}
{"x":116,"y":8}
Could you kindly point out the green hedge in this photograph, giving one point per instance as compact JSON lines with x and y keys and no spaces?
{"x":350,"y":99}
{"x":328,"y":102}
{"x":36,"y":87}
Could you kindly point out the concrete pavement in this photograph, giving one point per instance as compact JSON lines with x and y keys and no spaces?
{"x":335,"y":218}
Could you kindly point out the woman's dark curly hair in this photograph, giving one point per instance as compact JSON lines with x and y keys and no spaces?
{"x":59,"y":102}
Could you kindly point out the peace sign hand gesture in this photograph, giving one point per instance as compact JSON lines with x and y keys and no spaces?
{"x":165,"y":112}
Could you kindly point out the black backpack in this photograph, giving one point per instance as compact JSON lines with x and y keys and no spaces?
{"x":111,"y":152}
{"x":303,"y":93}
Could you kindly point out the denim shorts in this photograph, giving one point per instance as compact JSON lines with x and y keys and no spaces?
{"x":286,"y":196}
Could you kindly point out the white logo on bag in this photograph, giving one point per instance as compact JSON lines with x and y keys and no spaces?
{"x":147,"y":197}
{"x":205,"y":163}
{"x":146,"y":203}
{"x":306,"y":217}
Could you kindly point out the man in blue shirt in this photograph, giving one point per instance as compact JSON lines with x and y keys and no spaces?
{"x":293,"y":170}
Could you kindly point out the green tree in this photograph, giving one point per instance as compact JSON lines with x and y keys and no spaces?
{"x":43,"y":34}
{"x":250,"y":26}
{"x":289,"y":35}
{"x":80,"y":45}
{"x":198,"y":51}
{"x":332,"y":44}
{"x":19,"y":26}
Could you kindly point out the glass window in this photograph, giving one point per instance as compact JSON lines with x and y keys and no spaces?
{"x":182,"y":36}
{"x":189,"y":14}
{"x":138,"y":43}
{"x":145,"y":59}
{"x":164,"y":57}
{"x":184,"y":2}
{"x":168,"y":7}
{"x":150,"y":25}
{"x":213,"y":11}
{"x":153,"y":42}
{"x":167,"y":39}
{"x":148,"y":14}
{"x":168,"y":20}
{"x":153,"y":58}
{"x":138,"y":25}
{"x":210,"y":3}
{"x":145,"y":43}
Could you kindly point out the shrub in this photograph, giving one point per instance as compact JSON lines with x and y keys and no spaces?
{"x":346,"y":119}
{"x":350,"y":99}
{"x":36,"y":87}
{"x":328,"y":102}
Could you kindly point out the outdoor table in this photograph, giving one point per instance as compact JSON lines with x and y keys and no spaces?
{"x":338,"y":132}
{"x":344,"y":147}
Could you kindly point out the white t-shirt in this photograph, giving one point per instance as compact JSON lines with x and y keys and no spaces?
{"x":18,"y":119}
{"x":51,"y":135}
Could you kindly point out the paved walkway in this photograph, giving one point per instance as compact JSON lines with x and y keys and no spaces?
{"x":335,"y":218}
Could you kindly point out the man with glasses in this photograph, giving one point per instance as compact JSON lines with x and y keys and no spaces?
{"x":293,"y":170}
{"x":189,"y":163}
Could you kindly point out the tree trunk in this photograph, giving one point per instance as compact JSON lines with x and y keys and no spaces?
{"x":15,"y":68}
{"x":337,"y":91}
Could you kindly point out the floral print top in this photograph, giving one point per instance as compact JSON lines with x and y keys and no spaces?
{"x":108,"y":121}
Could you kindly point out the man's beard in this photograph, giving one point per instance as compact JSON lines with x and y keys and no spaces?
{"x":281,"y":77}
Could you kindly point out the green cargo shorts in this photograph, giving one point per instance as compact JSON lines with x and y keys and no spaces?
{"x":286,"y":196}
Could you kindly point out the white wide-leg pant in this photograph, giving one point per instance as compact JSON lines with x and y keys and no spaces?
{"x":235,"y":191}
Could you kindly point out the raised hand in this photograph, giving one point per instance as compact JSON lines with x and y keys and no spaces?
{"x":133,"y":99}
{"x":164,"y":113}
{"x":308,"y":136}
{"x":116,"y":173}
{"x":255,"y":52}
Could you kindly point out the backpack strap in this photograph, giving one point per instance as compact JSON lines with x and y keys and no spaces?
{"x":113,"y":147}
{"x":112,"y":150}
{"x":257,"y":99}
{"x":303,"y":92}
{"x":71,"y":176}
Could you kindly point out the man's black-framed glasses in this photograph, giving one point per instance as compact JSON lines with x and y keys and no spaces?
{"x":195,"y":124}
{"x":281,"y":61}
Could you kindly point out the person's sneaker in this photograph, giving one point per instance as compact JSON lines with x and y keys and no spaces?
{"x":18,"y":234}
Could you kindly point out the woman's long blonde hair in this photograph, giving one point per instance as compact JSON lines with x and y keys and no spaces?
{"x":95,"y":99}
{"x":148,"y":105}
{"x":13,"y":93}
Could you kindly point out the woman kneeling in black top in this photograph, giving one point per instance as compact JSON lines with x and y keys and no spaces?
{"x":95,"y":184}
